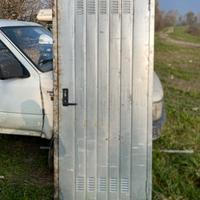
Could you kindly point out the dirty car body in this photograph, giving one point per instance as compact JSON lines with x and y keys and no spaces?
{"x":26,"y":81}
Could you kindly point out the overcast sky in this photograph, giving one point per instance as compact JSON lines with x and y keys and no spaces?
{"x":183,"y":6}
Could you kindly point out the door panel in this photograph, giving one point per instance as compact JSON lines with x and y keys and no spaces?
{"x":105,"y":60}
{"x":20,"y":105}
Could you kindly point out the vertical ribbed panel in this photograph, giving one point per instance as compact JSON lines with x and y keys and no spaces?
{"x":92,"y":97}
{"x":103,"y":6}
{"x":79,"y":7}
{"x":103,"y":100}
{"x":80,"y":90}
{"x":80,"y":184}
{"x":102,"y":185}
{"x":91,"y":7}
{"x":141,"y":101}
{"x":104,"y":61}
{"x":126,"y":99}
{"x":114,"y":99}
{"x":115,"y":6}
{"x":126,"y":6}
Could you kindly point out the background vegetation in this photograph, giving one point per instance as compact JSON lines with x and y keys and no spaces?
{"x":177,"y":176}
{"x":173,"y":18}
{"x":22,"y":9}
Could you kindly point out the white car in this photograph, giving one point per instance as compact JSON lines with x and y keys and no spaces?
{"x":26,"y":81}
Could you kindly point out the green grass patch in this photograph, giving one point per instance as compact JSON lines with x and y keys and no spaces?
{"x":163,"y":47}
{"x":177,"y":177}
{"x":24,"y":191}
{"x":24,"y":168}
{"x":180,"y":33}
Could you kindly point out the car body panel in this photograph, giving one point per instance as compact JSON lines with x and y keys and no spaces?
{"x":20,"y":105}
{"x":47,"y":98}
{"x":14,"y":23}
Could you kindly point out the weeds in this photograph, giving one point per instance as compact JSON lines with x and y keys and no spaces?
{"x":177,"y":177}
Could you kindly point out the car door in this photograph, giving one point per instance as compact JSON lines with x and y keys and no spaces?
{"x":21,"y":109}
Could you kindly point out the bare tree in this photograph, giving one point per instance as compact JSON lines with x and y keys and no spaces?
{"x":158,"y":17}
{"x":31,"y":8}
{"x":23,"y":9}
{"x":170,"y":18}
{"x":191,"y":18}
{"x":10,"y":9}
{"x":163,"y":19}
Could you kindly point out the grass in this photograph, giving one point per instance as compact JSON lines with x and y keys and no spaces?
{"x":180,"y":33}
{"x":177,"y":177}
{"x":24,"y":169}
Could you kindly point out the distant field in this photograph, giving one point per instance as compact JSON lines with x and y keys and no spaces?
{"x":177,"y":176}
{"x":180,"y":33}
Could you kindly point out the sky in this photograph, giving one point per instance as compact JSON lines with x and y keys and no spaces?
{"x":183,"y":6}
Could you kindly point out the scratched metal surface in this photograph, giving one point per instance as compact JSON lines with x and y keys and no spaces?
{"x":104,"y":52}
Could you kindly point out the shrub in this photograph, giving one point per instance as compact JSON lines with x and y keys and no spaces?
{"x":194,"y":30}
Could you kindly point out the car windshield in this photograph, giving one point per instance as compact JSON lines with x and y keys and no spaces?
{"x":35,"y":42}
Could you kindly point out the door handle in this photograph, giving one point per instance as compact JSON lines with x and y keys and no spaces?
{"x":65,"y":99}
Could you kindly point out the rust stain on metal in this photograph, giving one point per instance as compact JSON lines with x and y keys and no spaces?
{"x":56,"y":102}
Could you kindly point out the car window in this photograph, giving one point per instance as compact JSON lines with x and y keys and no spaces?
{"x":35,"y":42}
{"x":4,"y":51}
{"x":5,"y":54}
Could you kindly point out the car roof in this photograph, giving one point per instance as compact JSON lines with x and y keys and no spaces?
{"x":14,"y":23}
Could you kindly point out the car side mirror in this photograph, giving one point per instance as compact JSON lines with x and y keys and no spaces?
{"x":11,"y":68}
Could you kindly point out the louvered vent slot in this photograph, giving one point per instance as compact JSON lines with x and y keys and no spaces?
{"x":126,"y":6}
{"x":102,"y":185}
{"x":115,"y":7}
{"x":79,"y":7}
{"x":91,"y":7}
{"x":103,"y":7}
{"x":91,"y":184}
{"x":113,"y":185}
{"x":79,"y":184}
{"x":124,"y":185}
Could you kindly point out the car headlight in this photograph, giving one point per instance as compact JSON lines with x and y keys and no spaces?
{"x":157,"y":110}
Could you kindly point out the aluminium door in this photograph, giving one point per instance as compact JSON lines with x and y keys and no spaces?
{"x":104,"y":52}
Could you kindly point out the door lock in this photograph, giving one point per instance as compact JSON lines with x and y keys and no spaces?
{"x":65,"y":98}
